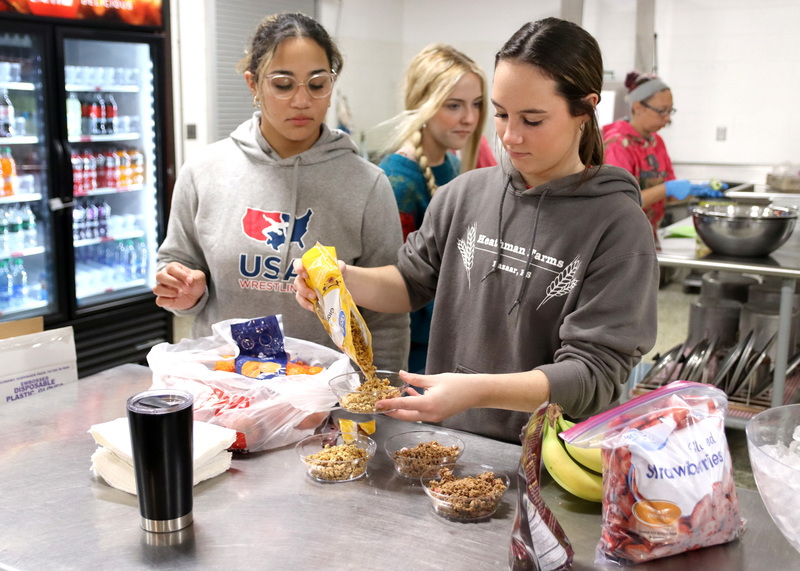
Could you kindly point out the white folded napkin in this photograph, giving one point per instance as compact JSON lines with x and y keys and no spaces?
{"x":113,"y":459}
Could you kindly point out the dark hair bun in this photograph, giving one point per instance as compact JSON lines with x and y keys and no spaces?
{"x":630,"y":79}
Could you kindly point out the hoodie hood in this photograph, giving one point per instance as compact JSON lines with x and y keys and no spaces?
{"x":598,"y":181}
{"x":331,"y":143}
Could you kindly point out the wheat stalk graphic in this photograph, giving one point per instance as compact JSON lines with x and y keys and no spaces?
{"x":467,"y":249}
{"x":563,"y":282}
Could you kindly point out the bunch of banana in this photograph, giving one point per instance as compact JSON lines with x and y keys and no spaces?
{"x":577,"y":470}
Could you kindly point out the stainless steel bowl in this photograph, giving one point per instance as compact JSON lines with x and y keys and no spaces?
{"x":743,"y":229}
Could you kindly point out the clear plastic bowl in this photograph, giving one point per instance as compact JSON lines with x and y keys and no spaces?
{"x":415,"y":466}
{"x":344,"y":470}
{"x":346,"y":386}
{"x":460,"y":507}
{"x":775,"y":468}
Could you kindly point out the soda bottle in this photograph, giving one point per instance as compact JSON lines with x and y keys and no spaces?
{"x":78,"y":221}
{"x":112,"y":166}
{"x":74,"y":114}
{"x":100,"y":169}
{"x":77,"y":173}
{"x":141,"y":259}
{"x":98,"y":114}
{"x":137,"y":167}
{"x":86,"y":115}
{"x":5,"y":286}
{"x":6,"y":115}
{"x":31,"y":236}
{"x":124,"y":168}
{"x":19,"y":283}
{"x":111,"y":114}
{"x":89,"y":172}
{"x":91,"y":226}
{"x":103,"y":215}
{"x":8,"y":167}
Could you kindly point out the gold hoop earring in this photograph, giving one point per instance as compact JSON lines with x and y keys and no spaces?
{"x":256,"y":102}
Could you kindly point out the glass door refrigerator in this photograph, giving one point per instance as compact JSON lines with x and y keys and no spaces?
{"x":84,"y":152}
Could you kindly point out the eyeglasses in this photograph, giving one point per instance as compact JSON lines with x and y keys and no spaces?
{"x":285,"y":86}
{"x":662,"y":112}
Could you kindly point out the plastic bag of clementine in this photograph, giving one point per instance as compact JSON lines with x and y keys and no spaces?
{"x":667,"y":473}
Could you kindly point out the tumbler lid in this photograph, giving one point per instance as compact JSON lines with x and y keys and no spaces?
{"x":160,"y":401}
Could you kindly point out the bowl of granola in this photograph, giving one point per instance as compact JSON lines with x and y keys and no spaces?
{"x":336,"y":457}
{"x":465,"y":491}
{"x":414,"y":452}
{"x":358,"y":394}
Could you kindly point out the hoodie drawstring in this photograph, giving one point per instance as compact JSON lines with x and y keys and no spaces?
{"x":524,"y":283}
{"x":292,"y":216}
{"x":496,"y":264}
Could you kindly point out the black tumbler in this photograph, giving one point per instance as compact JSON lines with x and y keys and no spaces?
{"x":161,"y":437}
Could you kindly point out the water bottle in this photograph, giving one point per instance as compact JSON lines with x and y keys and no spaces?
{"x":141,"y":259}
{"x":19,"y":283}
{"x":43,"y":286}
{"x":118,"y":262}
{"x":16,"y":240}
{"x":29,"y":227}
{"x":5,"y":286}
{"x":5,"y":246}
{"x":73,"y":115}
{"x":129,"y":257}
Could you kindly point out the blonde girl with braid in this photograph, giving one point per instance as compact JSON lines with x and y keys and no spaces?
{"x":445,"y":110}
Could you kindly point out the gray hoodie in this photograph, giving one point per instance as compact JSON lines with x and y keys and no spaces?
{"x":562,"y":278}
{"x":241,"y":214}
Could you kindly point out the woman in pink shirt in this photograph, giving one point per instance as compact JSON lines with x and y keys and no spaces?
{"x":633,"y":143}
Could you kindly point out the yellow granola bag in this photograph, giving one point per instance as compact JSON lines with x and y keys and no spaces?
{"x":336,"y":309}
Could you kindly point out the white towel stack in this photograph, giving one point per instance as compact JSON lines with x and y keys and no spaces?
{"x":113,"y":459}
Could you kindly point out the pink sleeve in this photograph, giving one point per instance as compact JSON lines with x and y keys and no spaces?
{"x":485,"y":156}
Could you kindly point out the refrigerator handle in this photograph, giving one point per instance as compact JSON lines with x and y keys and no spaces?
{"x":60,"y":203}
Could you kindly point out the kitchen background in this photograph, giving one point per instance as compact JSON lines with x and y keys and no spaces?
{"x":732,"y":65}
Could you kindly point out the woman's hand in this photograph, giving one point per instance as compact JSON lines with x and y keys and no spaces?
{"x":445,"y":394}
{"x":305,"y":295}
{"x":178,"y":287}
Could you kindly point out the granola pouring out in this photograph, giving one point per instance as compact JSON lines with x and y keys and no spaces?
{"x":336,"y":309}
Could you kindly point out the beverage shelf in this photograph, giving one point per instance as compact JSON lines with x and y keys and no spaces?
{"x":17,"y":86}
{"x":19,"y":140}
{"x":25,"y":252}
{"x":14,"y":198}
{"x":116,"y":238}
{"x":111,"y":190}
{"x":28,"y":305}
{"x":113,"y":88}
{"x":85,"y":293}
{"x":103,"y":138}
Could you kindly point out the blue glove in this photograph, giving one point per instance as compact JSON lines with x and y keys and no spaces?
{"x":681,"y":189}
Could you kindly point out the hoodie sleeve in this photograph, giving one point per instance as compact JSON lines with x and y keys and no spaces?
{"x":181,"y":243}
{"x":613,"y":325}
{"x":381,"y":239}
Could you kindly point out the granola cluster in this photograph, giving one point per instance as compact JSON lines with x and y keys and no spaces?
{"x":341,"y":462}
{"x":367,"y":394}
{"x":413,"y":462}
{"x":466,"y":498}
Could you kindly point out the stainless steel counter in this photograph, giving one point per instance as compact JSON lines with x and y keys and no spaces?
{"x":265,"y":513}
{"x":783,"y":263}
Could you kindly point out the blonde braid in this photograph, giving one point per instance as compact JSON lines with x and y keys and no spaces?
{"x":422,"y":161}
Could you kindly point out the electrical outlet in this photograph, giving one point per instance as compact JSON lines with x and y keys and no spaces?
{"x":191,"y":131}
{"x":722,"y":133}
